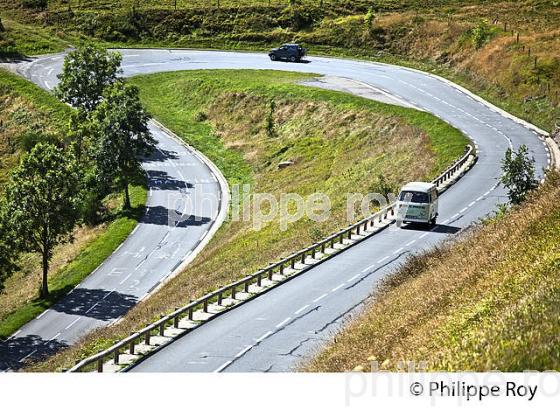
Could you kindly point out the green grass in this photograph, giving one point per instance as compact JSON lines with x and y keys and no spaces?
{"x":91,"y":256}
{"x":339,"y":144}
{"x":162,"y":95}
{"x":24,"y":40}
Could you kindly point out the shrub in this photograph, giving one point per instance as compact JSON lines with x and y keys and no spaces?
{"x":34,"y":4}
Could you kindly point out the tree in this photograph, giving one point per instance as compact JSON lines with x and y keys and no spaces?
{"x":121,"y":128}
{"x":41,"y":202}
{"x":519,"y":174}
{"x":87,"y":71}
{"x":8,"y":247}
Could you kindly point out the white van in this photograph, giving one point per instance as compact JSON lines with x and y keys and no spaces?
{"x":417,"y":203}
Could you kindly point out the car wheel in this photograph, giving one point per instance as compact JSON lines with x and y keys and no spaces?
{"x":293,"y":59}
{"x":273,"y":57}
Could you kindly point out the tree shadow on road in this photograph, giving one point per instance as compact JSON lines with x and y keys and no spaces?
{"x":98,"y":304}
{"x":162,"y":181}
{"x":16,"y":352}
{"x":443,"y":229}
{"x":160,"y":215}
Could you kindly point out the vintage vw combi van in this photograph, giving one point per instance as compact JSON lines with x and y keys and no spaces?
{"x":417,"y":203}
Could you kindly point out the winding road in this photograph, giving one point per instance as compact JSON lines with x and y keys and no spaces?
{"x":276,"y":331}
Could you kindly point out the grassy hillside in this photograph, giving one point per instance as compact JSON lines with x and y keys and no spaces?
{"x":490,"y":302}
{"x":472,"y":42}
{"x":338,"y":143}
{"x":26,"y":109}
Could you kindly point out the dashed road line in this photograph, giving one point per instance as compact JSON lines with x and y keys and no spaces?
{"x":397,"y":251}
{"x":320,"y":297}
{"x":282,"y":323}
{"x":54,"y":337}
{"x":223,"y":366}
{"x":301,"y":309}
{"x":410,"y":243}
{"x":354,"y":277}
{"x":337,"y":288}
{"x":383,"y":259}
{"x":25,"y":357}
{"x":260,"y":339}
{"x":72,"y":324}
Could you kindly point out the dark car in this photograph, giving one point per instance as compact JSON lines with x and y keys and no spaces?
{"x":288,"y":52}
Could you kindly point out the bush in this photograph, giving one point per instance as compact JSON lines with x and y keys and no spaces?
{"x":34,"y":4}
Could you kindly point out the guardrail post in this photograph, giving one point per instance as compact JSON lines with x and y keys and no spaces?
{"x":191,"y":313}
{"x":358,"y":229}
{"x":131,"y":347}
{"x":147,"y":336}
{"x":116,"y":357}
{"x":220,"y":299}
{"x":332,"y":242}
{"x":323,"y":247}
{"x":162,"y":328}
{"x":341,"y":239}
{"x":313,"y":250}
{"x":176,"y":320}
{"x":233,"y":291}
{"x":350,"y":234}
{"x":392,"y":210}
{"x":205,"y":306}
{"x":281,"y":269}
{"x":293,"y":262}
{"x":259,"y":279}
{"x":270,"y":273}
{"x":303,"y":257}
{"x":100,"y":365}
{"x":246,"y":286}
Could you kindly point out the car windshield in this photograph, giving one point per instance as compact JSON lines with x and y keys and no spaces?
{"x":413,"y":196}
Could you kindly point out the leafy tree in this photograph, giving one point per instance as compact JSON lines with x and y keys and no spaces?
{"x":41,"y":202}
{"x":519,"y":174}
{"x":8,"y":247}
{"x":121,"y":127}
{"x":87,"y":71}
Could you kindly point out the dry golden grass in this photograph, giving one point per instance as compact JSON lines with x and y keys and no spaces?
{"x":24,"y":285}
{"x":490,"y":301}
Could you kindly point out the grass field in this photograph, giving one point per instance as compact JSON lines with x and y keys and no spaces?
{"x":26,"y":108}
{"x":338,"y":143}
{"x":490,"y":302}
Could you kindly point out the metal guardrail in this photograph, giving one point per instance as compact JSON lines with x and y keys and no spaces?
{"x":243,"y":285}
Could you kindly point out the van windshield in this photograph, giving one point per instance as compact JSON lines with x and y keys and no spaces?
{"x":413,"y":196}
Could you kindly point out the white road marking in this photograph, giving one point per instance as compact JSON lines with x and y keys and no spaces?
{"x":91,"y":308}
{"x":23,"y":358}
{"x":14,"y":334}
{"x":320,"y":297}
{"x":472,"y":203}
{"x":42,"y":314}
{"x":242,"y":352}
{"x":301,"y":309}
{"x":47,"y":85}
{"x":72,"y":324}
{"x":463,"y":210}
{"x":107,"y":295}
{"x":424,"y":235}
{"x":397,"y":251}
{"x":337,"y":288}
{"x":282,"y":323}
{"x":382,"y":260}
{"x":54,"y":337}
{"x":260,"y":339}
{"x":203,"y":235}
{"x":125,"y":279}
{"x":455,"y":216}
{"x":410,"y":243}
{"x":353,"y":278}
{"x":223,"y":366}
{"x":366,"y":269}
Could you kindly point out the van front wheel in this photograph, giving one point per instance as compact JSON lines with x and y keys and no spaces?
{"x":433,"y":221}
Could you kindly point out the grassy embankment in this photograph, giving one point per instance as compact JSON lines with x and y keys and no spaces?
{"x":24,"y":108}
{"x":339,"y":143}
{"x":489,"y":302}
{"x":454,"y":38}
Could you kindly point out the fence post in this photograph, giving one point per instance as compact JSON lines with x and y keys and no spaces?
{"x":303,"y":257}
{"x":220,"y":299}
{"x":161,"y":327}
{"x":259,"y":279}
{"x":116,"y":357}
{"x":147,"y":338}
{"x":191,"y":313}
{"x":100,"y":365}
{"x":131,"y":347}
{"x":269,"y":273}
{"x":246,"y":286}
{"x":233,"y":291}
{"x":205,"y":306}
{"x":176,"y":320}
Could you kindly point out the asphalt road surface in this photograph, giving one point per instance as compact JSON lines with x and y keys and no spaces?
{"x":278,"y":330}
{"x":184,"y":199}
